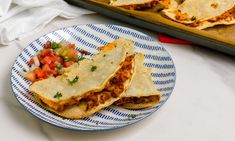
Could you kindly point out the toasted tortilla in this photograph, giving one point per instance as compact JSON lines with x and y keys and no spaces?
{"x":226,"y":18}
{"x":127,"y":44}
{"x":141,"y":87}
{"x":138,"y":4}
{"x":198,"y":10}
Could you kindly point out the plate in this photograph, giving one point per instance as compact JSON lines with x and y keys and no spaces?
{"x":89,"y":37}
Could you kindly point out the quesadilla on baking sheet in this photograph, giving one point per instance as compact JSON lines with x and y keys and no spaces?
{"x":138,"y":4}
{"x":202,"y":14}
{"x":89,"y":86}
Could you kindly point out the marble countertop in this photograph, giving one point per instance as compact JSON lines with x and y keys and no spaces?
{"x":200,"y":108}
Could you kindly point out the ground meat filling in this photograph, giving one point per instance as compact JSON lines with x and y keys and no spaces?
{"x":141,"y":6}
{"x":137,"y":100}
{"x":112,"y":89}
{"x":228,"y":16}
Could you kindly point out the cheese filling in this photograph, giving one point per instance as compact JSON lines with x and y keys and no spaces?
{"x":137,"y":100}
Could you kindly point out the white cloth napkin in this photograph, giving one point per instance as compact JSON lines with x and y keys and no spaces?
{"x":19,"y":18}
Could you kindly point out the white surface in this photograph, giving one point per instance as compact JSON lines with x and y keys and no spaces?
{"x":201,"y":107}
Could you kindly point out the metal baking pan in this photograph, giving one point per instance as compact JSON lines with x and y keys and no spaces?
{"x":211,"y":38}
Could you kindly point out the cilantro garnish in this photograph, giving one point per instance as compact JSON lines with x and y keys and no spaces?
{"x":54,"y":45}
{"x":71,"y":82}
{"x":58,"y":95}
{"x":67,"y":59}
{"x":93,"y":68}
{"x":80,"y":59}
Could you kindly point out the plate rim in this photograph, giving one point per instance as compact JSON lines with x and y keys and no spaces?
{"x":92,"y":130}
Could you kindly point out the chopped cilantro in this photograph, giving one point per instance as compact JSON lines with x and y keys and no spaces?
{"x":67,"y":59}
{"x":93,"y":68}
{"x":75,"y":80}
{"x":59,"y":67}
{"x":193,"y":18}
{"x":80,"y":59}
{"x":54,"y":45}
{"x":58,"y":95}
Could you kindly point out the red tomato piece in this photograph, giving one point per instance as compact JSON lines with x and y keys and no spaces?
{"x":72,"y":53}
{"x":71,"y":46}
{"x":48,"y":60}
{"x":39,"y":73}
{"x":46,"y":52}
{"x":49,"y":69}
{"x":31,"y":62}
{"x":67,"y":64}
{"x":46,"y":68}
{"x":47,"y":45}
{"x":58,"y":59}
{"x":55,"y":72}
{"x":30,"y":76}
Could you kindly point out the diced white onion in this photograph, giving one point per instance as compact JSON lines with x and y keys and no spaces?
{"x":23,"y":73}
{"x":36,"y":61}
{"x":33,"y":67}
{"x":63,"y":43}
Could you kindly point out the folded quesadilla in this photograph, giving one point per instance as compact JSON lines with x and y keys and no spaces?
{"x":138,"y":4}
{"x":202,"y":14}
{"x":89,"y":86}
{"x":142,"y":92}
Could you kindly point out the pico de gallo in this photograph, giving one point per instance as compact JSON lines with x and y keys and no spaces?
{"x":52,"y":59}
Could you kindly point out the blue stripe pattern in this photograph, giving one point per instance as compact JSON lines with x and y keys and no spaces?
{"x":89,"y":37}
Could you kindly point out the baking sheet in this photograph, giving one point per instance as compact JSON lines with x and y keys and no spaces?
{"x":220,"y":38}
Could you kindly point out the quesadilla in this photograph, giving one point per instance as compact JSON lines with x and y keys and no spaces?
{"x":142,"y":92}
{"x":138,"y":4}
{"x":89,"y":86}
{"x":202,"y":14}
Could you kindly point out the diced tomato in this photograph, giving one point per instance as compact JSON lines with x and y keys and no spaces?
{"x":39,"y":73}
{"x":31,"y":62}
{"x":47,"y":45}
{"x":46,"y":68}
{"x":70,"y":46}
{"x":55,"y":72}
{"x":30,"y":76}
{"x":67,"y":64}
{"x":46,"y":52}
{"x":58,"y":59}
{"x":49,"y":70}
{"x":48,"y":60}
{"x":72,"y":53}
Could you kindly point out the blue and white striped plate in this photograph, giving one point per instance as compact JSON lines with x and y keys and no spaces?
{"x":89,"y":37}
